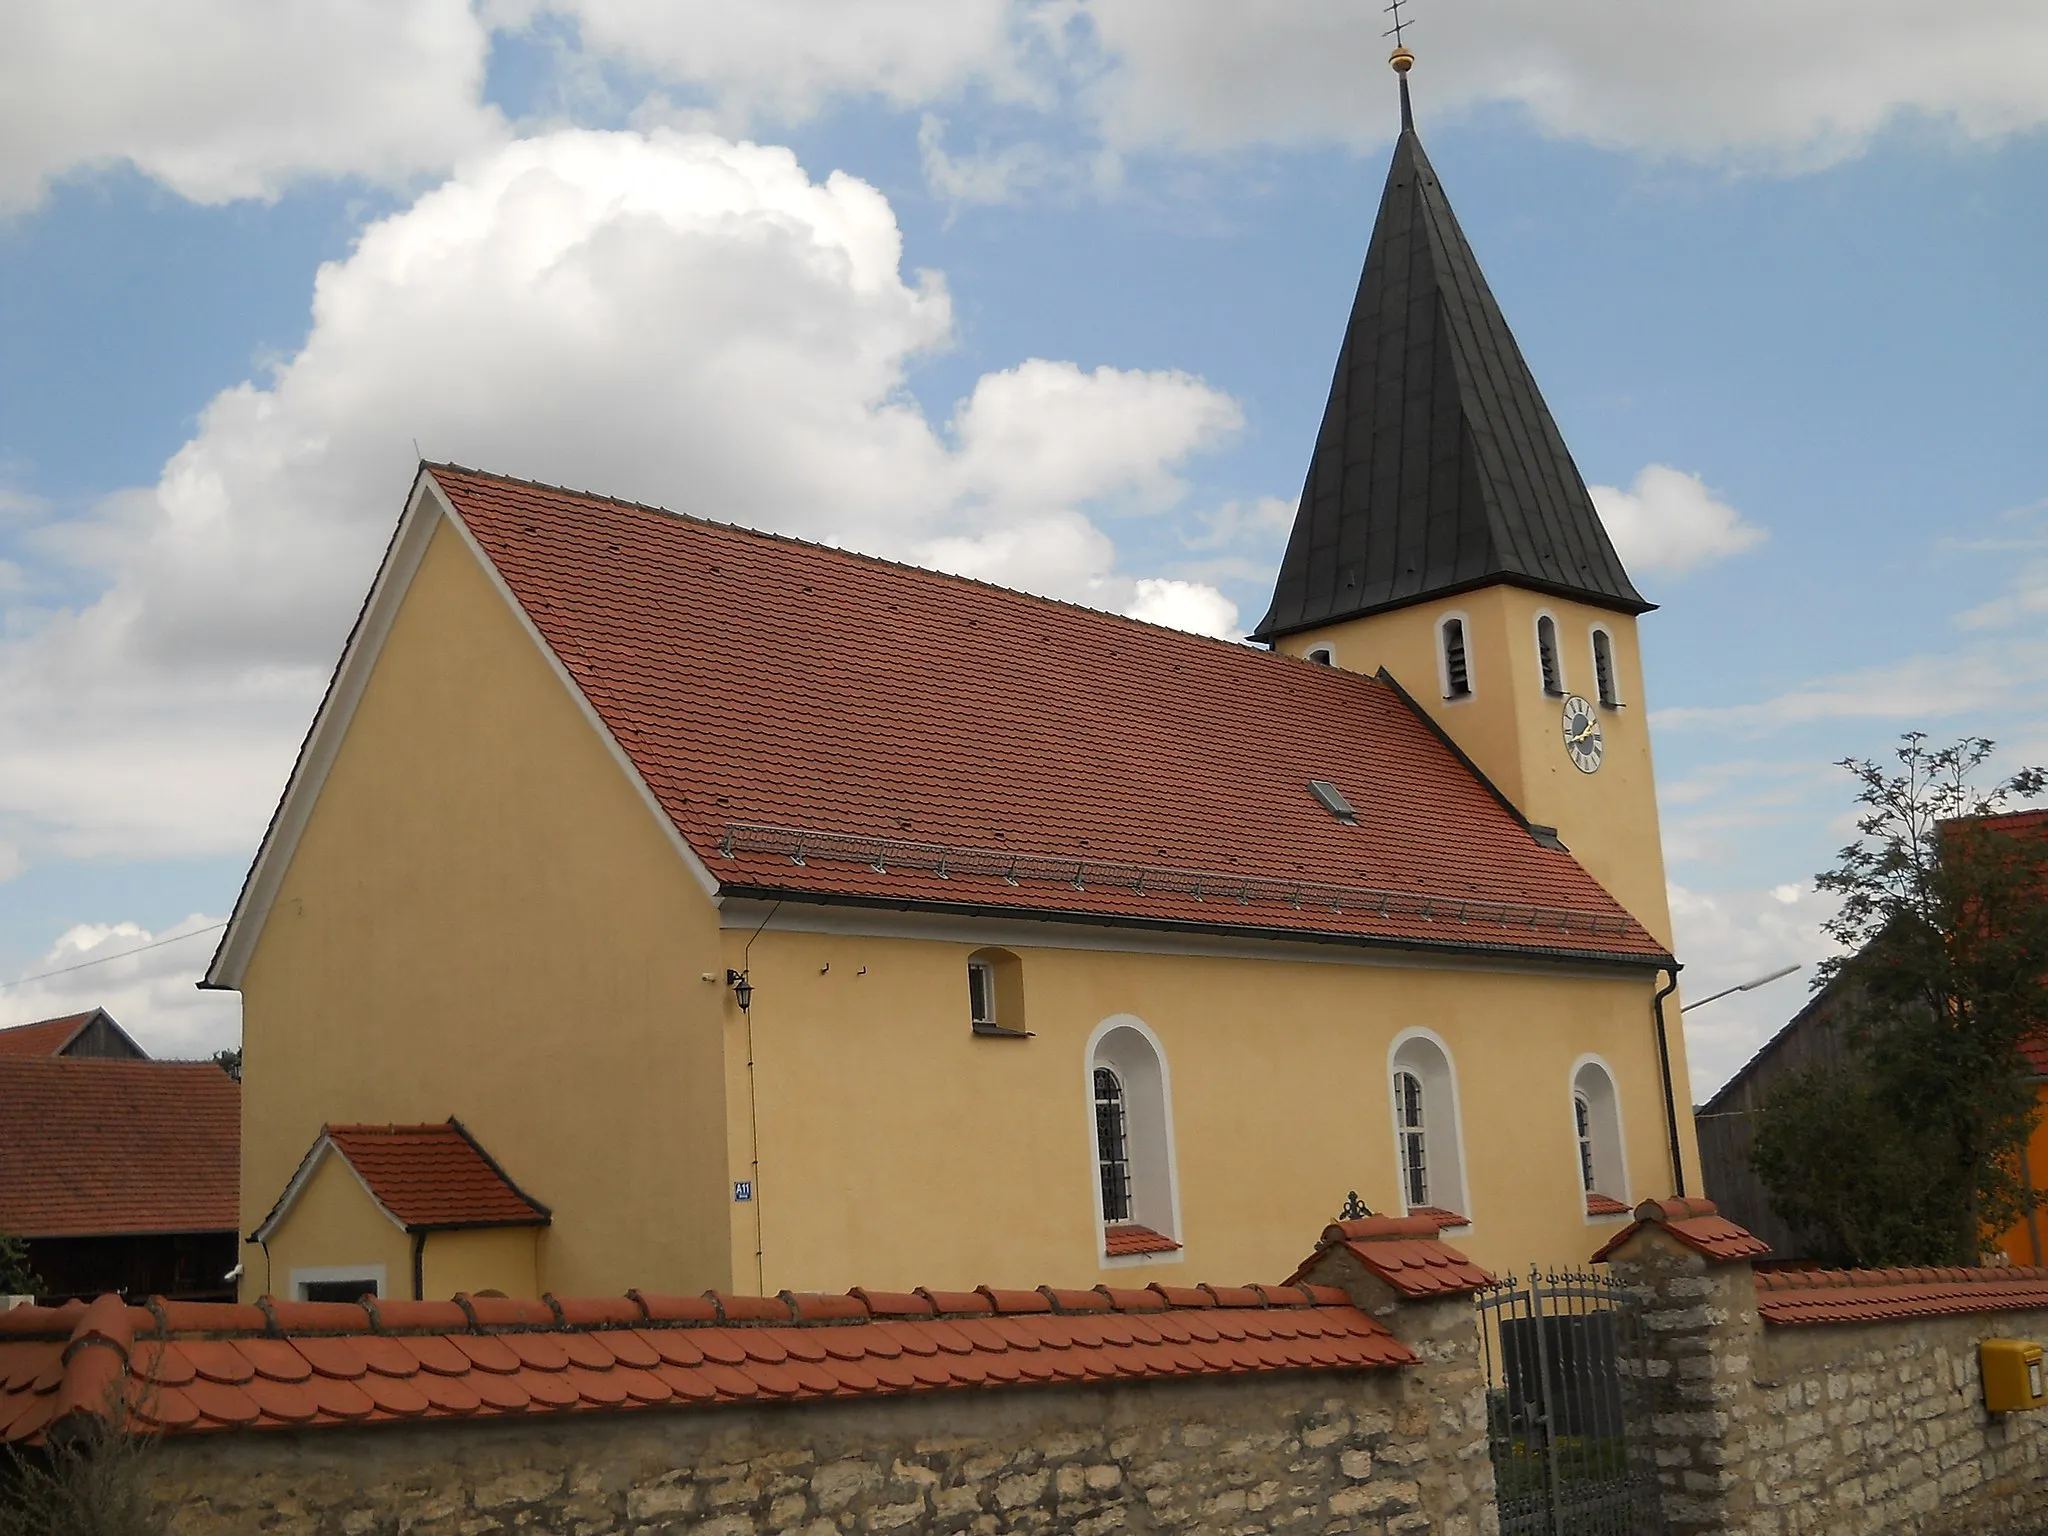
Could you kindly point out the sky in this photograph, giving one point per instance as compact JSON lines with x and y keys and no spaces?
{"x":1042,"y":291}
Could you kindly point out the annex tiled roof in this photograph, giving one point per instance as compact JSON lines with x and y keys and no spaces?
{"x":99,"y":1147}
{"x":1695,"y":1222}
{"x":1879,"y":1295}
{"x":193,"y":1366}
{"x":1605,"y":1205}
{"x":427,"y":1177}
{"x":822,"y":724}
{"x":1125,"y":1240}
{"x":46,"y":1037}
{"x":1404,"y":1251}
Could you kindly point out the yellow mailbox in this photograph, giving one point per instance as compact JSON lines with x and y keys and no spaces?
{"x":2013,"y":1375}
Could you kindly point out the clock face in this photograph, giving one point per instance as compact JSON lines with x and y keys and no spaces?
{"x":1582,"y":735}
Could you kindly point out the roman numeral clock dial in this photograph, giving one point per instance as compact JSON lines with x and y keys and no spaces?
{"x":1582,"y":735}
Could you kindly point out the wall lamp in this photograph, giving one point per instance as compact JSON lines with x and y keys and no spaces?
{"x":742,"y":989}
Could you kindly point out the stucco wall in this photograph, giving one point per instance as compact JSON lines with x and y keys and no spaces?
{"x":1328,"y":1453}
{"x":898,"y":1148}
{"x":482,"y":919}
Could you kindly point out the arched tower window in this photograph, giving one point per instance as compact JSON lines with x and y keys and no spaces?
{"x":1547,"y":657}
{"x":1596,"y":1129}
{"x":1603,"y":668}
{"x":1323,"y":656}
{"x":1133,"y":1134}
{"x":1427,"y":1146}
{"x":1457,"y":664}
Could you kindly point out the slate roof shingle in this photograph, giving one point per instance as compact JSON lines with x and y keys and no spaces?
{"x":1438,"y":467}
{"x":96,"y":1147}
{"x":190,"y":1367}
{"x":842,"y":708}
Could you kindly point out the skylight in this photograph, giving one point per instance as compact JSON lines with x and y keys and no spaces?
{"x":1333,"y":801}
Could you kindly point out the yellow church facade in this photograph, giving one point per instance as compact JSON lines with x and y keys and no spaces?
{"x":765,"y":917}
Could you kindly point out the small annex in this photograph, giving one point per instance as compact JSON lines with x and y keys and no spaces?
{"x":399,"y":1210}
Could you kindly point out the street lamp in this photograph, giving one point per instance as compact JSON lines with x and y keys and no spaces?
{"x":1743,"y":986}
{"x":742,"y":989}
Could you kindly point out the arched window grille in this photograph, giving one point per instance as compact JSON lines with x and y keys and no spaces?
{"x":1582,"y":1115}
{"x":1457,"y":666}
{"x":1546,"y":655}
{"x":1112,"y":1146}
{"x":1603,"y":668}
{"x":1413,"y":1138}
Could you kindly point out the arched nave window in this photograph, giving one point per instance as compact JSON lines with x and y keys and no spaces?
{"x":1132,"y":1120}
{"x":1428,"y":1147}
{"x":1596,"y":1128}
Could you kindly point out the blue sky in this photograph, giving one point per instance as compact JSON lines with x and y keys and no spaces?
{"x":1069,"y":325}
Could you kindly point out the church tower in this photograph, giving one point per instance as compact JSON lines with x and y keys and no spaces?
{"x":1445,"y":536}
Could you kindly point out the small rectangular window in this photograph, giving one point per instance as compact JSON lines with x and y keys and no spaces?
{"x":338,"y":1286}
{"x":1457,"y":672}
{"x":981,"y":994}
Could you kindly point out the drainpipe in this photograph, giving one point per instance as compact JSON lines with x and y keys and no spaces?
{"x":1670,"y":1100}
{"x":419,"y":1264}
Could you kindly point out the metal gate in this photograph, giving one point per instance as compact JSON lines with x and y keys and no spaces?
{"x":1567,"y":1407}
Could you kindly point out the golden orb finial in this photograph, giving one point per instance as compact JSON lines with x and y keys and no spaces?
{"x":1402,"y":60}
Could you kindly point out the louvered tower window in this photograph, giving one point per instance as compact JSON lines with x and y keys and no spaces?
{"x":1546,"y":655}
{"x":1457,"y":670}
{"x":1112,"y":1146}
{"x":1414,"y":1149}
{"x":1603,"y":667}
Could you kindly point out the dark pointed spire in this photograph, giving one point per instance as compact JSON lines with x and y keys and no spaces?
{"x":1438,"y":468}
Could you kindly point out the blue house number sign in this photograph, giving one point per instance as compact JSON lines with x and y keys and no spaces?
{"x":743,"y":1189}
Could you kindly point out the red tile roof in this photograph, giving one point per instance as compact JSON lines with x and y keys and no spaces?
{"x":825,"y":724}
{"x":189,"y":1367}
{"x":1604,"y":1205}
{"x":91,"y":1147}
{"x":1695,"y":1222}
{"x":1877,"y":1295}
{"x":427,"y":1177}
{"x":47,"y":1037}
{"x":1129,"y":1238}
{"x":1405,"y":1252}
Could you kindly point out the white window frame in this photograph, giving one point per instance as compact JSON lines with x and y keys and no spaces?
{"x":1610,"y":1164}
{"x":982,"y":973}
{"x":1443,"y":657}
{"x":1324,"y":655}
{"x":1593,"y":638}
{"x":1411,"y":1142}
{"x":1562,"y":689}
{"x":1449,"y":1187}
{"x":374,"y":1278}
{"x":1148,"y":1135}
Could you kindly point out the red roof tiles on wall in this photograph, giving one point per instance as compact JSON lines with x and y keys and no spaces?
{"x":1695,"y":1222}
{"x":1404,"y":1251}
{"x":1124,"y":1241}
{"x":1880,"y":1295}
{"x":92,"y":1147}
{"x":761,"y":681}
{"x":191,"y":1367}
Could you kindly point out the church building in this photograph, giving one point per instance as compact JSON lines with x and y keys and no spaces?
{"x":659,"y":903}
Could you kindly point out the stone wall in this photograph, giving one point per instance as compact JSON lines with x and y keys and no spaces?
{"x":1838,"y":1427}
{"x":1367,"y":1451}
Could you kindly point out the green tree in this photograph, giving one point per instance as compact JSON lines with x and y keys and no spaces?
{"x":16,"y":1278}
{"x":1908,"y":1151}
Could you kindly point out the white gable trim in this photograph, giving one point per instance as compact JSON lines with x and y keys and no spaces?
{"x":323,"y":741}
{"x":676,"y":840}
{"x":308,"y":1166}
{"x":423,"y":514}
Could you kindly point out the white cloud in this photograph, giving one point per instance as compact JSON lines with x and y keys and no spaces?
{"x":223,"y":99}
{"x":1669,"y":523}
{"x":1185,"y":605}
{"x":1990,"y":682}
{"x":1728,"y":937}
{"x":146,"y":983}
{"x":677,"y":319}
{"x":1774,"y":82}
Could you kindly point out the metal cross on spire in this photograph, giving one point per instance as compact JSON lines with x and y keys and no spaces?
{"x":1400,"y":23}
